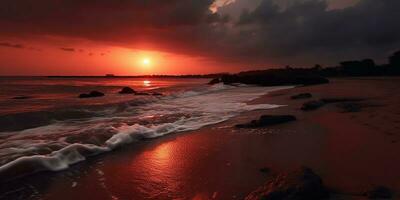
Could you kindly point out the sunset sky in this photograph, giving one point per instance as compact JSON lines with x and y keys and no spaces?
{"x":133,"y":37}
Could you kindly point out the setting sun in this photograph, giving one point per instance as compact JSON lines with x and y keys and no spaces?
{"x":146,"y":61}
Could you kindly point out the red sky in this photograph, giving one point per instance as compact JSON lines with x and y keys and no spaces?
{"x":99,"y":37}
{"x":91,"y":58}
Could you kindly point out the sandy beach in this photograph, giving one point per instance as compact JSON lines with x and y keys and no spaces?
{"x":351,"y":151}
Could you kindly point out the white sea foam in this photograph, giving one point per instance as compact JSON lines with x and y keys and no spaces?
{"x":72,"y":141}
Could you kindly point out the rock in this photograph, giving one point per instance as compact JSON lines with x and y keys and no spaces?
{"x":92,"y":94}
{"x":127,"y":90}
{"x":379,"y":192}
{"x":265,"y":170}
{"x":84,"y":96}
{"x":156,"y":94}
{"x":312,"y":105}
{"x":347,"y":105}
{"x":141,"y":93}
{"x":301,"y":96}
{"x":22,"y":97}
{"x":214,"y":81}
{"x":338,"y":100}
{"x":96,"y":94}
{"x":300,"y":184}
{"x":267,"y":120}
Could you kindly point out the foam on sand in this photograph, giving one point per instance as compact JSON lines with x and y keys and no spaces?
{"x":57,"y":146}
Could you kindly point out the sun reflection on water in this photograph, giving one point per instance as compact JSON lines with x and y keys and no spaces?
{"x":163,"y":153}
{"x":147,"y":83}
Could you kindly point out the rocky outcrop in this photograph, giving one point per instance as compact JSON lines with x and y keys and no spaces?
{"x":300,"y":184}
{"x":92,"y":94}
{"x":301,"y":96}
{"x":267,"y":120}
{"x":274,"y":78}
{"x":127,"y":90}
{"x":214,"y":81}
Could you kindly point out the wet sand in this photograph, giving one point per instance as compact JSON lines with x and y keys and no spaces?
{"x":350,"y":151}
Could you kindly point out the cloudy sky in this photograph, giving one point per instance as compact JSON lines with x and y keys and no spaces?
{"x":94,"y":37}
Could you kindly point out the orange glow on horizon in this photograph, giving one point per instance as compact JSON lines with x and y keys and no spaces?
{"x":91,"y":59}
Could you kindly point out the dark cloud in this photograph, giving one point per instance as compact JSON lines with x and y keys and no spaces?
{"x":67,"y":49}
{"x":307,"y":31}
{"x":7,"y":44}
{"x":303,"y":31}
{"x":18,"y":46}
{"x":167,"y":24}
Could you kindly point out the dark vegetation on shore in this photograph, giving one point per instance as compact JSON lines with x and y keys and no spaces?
{"x":289,"y":75}
{"x":314,"y":75}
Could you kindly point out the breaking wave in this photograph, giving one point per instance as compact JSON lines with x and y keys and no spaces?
{"x":60,"y":142}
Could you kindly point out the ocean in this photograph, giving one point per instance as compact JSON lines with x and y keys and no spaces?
{"x":47,"y":127}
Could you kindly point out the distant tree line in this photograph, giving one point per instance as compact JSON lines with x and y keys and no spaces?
{"x":365,"y":67}
{"x":313,"y":75}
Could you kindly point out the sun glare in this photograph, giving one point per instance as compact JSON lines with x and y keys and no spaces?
{"x":146,"y":61}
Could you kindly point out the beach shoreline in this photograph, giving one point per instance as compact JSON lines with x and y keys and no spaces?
{"x":349,"y":150}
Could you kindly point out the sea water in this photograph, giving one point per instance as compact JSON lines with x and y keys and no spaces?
{"x":51,"y":129}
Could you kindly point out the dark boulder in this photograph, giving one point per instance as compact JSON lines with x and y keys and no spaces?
{"x":231,"y":78}
{"x":92,"y":94}
{"x":22,"y":97}
{"x":379,"y":192}
{"x":142,"y":93}
{"x":312,"y":105}
{"x":265,"y":170}
{"x":127,"y":90}
{"x":301,"y":184}
{"x":338,"y":100}
{"x":267,"y":120}
{"x":84,"y":96}
{"x":301,"y":96}
{"x":214,"y":81}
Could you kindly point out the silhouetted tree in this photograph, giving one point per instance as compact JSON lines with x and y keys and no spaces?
{"x":368,"y":63}
{"x":358,"y":68}
{"x":394,"y":60}
{"x":317,"y":67}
